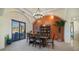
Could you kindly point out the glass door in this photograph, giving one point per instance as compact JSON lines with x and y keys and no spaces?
{"x":22,"y":30}
{"x":15,"y":30}
{"x":18,"y":30}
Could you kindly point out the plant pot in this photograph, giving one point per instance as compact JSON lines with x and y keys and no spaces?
{"x":8,"y":42}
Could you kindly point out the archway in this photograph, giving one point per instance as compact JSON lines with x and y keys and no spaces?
{"x":56,"y":23}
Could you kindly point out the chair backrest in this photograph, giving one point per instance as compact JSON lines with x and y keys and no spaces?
{"x":28,"y":34}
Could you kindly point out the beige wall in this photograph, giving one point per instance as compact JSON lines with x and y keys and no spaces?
{"x":2,"y":41}
{"x":73,"y":13}
{"x":76,"y":35}
{"x":18,"y":15}
{"x":5,"y":23}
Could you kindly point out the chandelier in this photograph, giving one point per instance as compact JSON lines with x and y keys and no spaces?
{"x":37,"y":14}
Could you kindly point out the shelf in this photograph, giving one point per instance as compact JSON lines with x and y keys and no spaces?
{"x":45,"y":31}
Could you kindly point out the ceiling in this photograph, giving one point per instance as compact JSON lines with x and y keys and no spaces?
{"x":33,"y":10}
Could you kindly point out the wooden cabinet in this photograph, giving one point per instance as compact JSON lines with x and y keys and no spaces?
{"x":45,"y":31}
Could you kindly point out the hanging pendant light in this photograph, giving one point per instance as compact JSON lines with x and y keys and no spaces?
{"x":37,"y":14}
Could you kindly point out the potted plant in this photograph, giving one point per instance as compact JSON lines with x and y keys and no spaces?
{"x":60,"y":25}
{"x":8,"y":40}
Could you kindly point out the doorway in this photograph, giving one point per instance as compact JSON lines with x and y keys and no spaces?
{"x":18,"y":30}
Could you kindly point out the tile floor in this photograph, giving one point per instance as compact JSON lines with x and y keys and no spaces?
{"x":22,"y":45}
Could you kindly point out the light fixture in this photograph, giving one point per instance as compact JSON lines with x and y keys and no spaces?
{"x":37,"y":14}
{"x":51,"y":17}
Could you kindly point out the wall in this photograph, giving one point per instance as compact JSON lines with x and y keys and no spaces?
{"x":5,"y":23}
{"x":58,"y":12}
{"x":63,"y":13}
{"x":71,"y":14}
{"x":50,"y":20}
{"x":76,"y":34}
{"x":2,"y":41}
{"x":67,"y":14}
{"x":18,"y":15}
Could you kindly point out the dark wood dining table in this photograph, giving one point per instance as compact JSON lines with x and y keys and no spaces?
{"x":44,"y":40}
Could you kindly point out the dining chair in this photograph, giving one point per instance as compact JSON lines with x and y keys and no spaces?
{"x":38,"y":41}
{"x":28,"y":36}
{"x":31,"y":39}
{"x":50,"y":42}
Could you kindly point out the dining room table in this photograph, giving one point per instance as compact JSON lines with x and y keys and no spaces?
{"x":44,"y":40}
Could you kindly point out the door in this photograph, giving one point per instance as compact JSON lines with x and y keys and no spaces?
{"x":15,"y":30}
{"x":22,"y":30}
{"x":18,"y":30}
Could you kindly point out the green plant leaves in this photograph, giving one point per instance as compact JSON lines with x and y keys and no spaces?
{"x":7,"y":37}
{"x":60,"y":23}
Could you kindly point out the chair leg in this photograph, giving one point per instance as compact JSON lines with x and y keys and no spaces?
{"x":39,"y":45}
{"x":53,"y":45}
{"x":27,"y":40}
{"x":29,"y":43}
{"x":33,"y":44}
